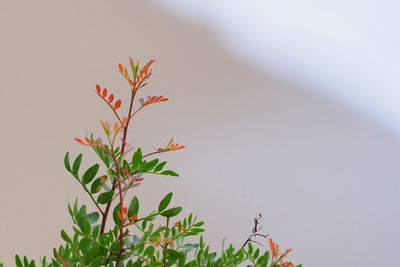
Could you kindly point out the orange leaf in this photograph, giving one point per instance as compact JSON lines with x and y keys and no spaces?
{"x":110,"y":98}
{"x":87,"y":140}
{"x":132,"y":63}
{"x":104,"y":92}
{"x":120,"y":215}
{"x":133,"y":218}
{"x":98,"y":88}
{"x":117,"y":104}
{"x":120,"y":67}
{"x":116,"y":127}
{"x":124,"y":210}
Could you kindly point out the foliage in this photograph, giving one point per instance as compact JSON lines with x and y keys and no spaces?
{"x":134,"y":239}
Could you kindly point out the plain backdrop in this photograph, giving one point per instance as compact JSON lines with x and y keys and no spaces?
{"x":324,"y":178}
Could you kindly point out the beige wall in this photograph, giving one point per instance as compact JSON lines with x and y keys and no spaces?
{"x":325,"y":180}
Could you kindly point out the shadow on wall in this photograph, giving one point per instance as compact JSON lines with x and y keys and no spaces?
{"x":324,"y":179}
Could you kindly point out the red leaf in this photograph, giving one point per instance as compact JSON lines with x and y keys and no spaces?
{"x":104,"y":92}
{"x":98,"y":88}
{"x":110,"y":98}
{"x":117,"y":104}
{"x":78,"y":140}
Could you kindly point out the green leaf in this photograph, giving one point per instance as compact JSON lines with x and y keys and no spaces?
{"x":133,"y":207}
{"x":198,"y":224}
{"x":115,"y":216}
{"x":137,"y":159}
{"x":171,"y":212}
{"x":77,"y":231}
{"x":160,"y":166}
{"x":86,"y":227}
{"x":75,"y":207}
{"x":97,"y":262}
{"x":106,"y":161}
{"x":165,"y":202}
{"x":66,"y":162}
{"x":93,"y":217}
{"x":70,"y":211}
{"x":18,"y":261}
{"x":148,"y":252}
{"x":188,"y":247}
{"x":77,"y":164}
{"x":96,"y":231}
{"x":91,"y":253}
{"x":149,"y":165}
{"x":65,"y":237}
{"x":97,"y":184}
{"x":81,"y":216}
{"x":90,"y":174}
{"x":26,"y":262}
{"x":256,"y":253}
{"x":173,"y":254}
{"x":104,"y":198}
{"x":169,"y":172}
{"x":190,"y":218}
{"x":136,"y":240}
{"x":197,"y":230}
{"x":152,"y":216}
{"x":84,"y":244}
{"x":250,"y":248}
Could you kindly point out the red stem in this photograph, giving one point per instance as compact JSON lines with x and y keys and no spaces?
{"x":119,"y":179}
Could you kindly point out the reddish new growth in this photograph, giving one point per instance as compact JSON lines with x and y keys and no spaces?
{"x":103,"y":94}
{"x":152,"y":100}
{"x":139,"y":77}
{"x":277,"y":257}
{"x":90,"y":142}
{"x":171,"y":146}
{"x":122,"y":176}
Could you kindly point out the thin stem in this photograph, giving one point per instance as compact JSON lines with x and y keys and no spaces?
{"x":121,"y":226}
{"x":248,"y":258}
{"x":165,"y":247}
{"x":91,"y":197}
{"x":112,"y":108}
{"x":114,"y":185}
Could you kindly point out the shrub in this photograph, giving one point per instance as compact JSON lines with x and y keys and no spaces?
{"x":134,"y":239}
